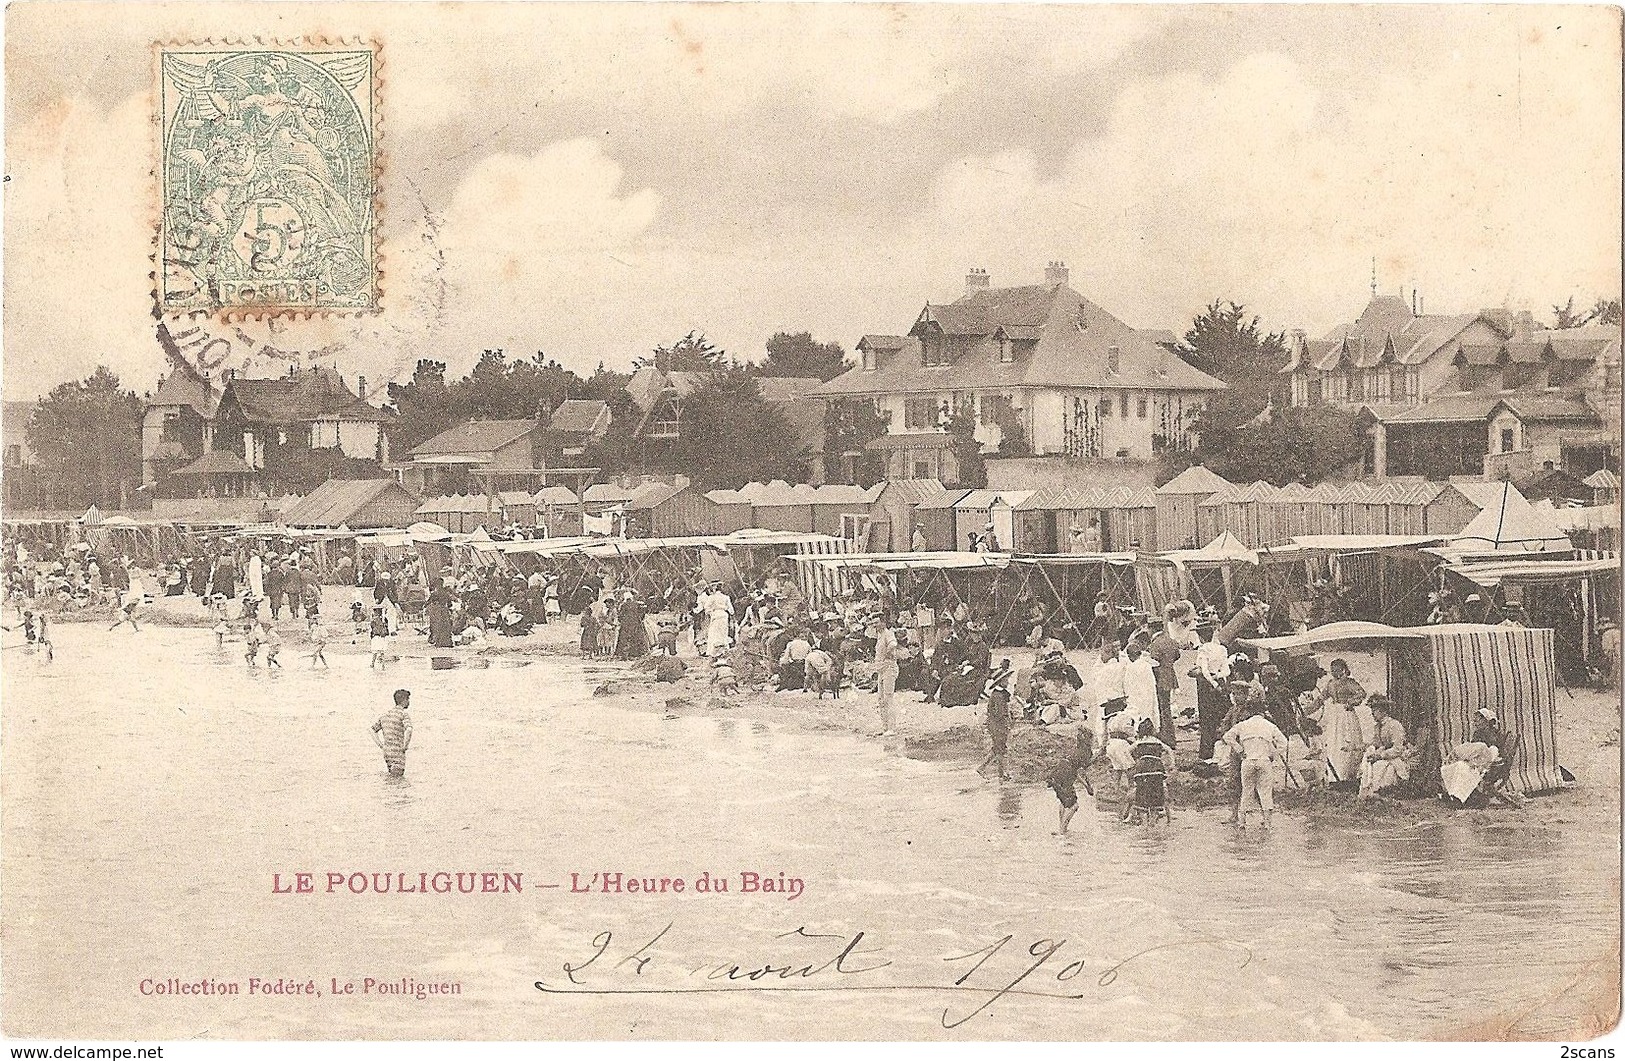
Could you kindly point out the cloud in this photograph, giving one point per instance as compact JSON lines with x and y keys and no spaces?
{"x":1274,"y":185}
{"x":79,"y":222}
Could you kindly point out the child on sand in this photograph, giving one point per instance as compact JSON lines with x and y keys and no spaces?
{"x":220,"y":631}
{"x":313,"y":606}
{"x":358,"y":619}
{"x":724,"y":677}
{"x":666,"y":627}
{"x":318,"y":646}
{"x":273,"y":645}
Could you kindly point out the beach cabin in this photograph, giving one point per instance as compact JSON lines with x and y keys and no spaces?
{"x":731,"y":511}
{"x":667,"y":510}
{"x":1130,"y":518}
{"x":518,"y":506}
{"x":559,"y":510}
{"x":842,"y":511}
{"x":356,"y":504}
{"x":1176,"y":502}
{"x":891,"y":513}
{"x":935,"y":518}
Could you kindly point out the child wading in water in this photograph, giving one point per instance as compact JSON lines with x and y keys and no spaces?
{"x":251,"y":635}
{"x":998,"y":717}
{"x":318,"y":643}
{"x":380,"y":636}
{"x":126,"y":612}
{"x":1063,"y":779}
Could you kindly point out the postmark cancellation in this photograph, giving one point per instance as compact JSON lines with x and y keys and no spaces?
{"x":268,"y":179}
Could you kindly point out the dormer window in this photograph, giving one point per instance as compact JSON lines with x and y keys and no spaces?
{"x":868,"y":359}
{"x":1007,"y":350}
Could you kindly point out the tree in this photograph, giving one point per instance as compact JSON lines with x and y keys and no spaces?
{"x":799,"y":354}
{"x":301,"y":469}
{"x":1602,"y":311}
{"x":850,"y":424}
{"x":603,"y":385}
{"x":1224,"y":342}
{"x":961,"y":425}
{"x":1279,"y":445}
{"x":731,"y":435}
{"x":1013,"y":441}
{"x":692,"y":353}
{"x":1250,"y":431}
{"x":495,"y":389}
{"x":87,"y":438}
{"x":422,"y":406}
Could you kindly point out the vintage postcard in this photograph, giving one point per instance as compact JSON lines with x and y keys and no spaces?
{"x":787,"y":522}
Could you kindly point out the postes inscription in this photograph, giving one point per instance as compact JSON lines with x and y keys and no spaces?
{"x":267,"y":179}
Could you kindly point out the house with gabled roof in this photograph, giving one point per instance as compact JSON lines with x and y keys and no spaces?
{"x":659,"y":394}
{"x":307,"y":409}
{"x":1040,"y":360}
{"x":1492,"y":393}
{"x":177,"y":426}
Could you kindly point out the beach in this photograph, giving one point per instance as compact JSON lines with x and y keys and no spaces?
{"x":162,"y":791}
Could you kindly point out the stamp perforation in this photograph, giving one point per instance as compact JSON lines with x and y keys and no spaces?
{"x":373,"y":90}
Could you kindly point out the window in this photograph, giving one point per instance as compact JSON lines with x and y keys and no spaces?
{"x":1007,"y":351}
{"x":1105,"y":407}
{"x":922,"y":470}
{"x":1316,"y":392}
{"x":14,"y":456}
{"x":1410,"y":384}
{"x":1122,"y":404}
{"x":868,"y":360}
{"x":663,"y":429}
{"x":1507,"y":435}
{"x":1114,"y":363}
{"x":919,"y":414}
{"x":1142,"y":407}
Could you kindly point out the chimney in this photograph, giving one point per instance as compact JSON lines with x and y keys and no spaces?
{"x":1114,"y":359}
{"x":977,"y":280}
{"x":1413,"y":301}
{"x":1056,"y":273}
{"x":361,"y":387}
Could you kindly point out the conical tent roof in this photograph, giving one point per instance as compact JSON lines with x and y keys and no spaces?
{"x":1194,"y":480}
{"x":1507,"y":520}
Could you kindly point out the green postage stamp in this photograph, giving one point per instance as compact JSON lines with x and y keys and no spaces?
{"x":268,"y":178}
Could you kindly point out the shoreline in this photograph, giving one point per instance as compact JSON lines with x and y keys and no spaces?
{"x":1588,"y":723}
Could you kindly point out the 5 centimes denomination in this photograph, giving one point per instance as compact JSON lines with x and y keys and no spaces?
{"x":268,"y":178}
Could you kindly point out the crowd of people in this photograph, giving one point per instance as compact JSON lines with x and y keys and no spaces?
{"x":1257,"y":727}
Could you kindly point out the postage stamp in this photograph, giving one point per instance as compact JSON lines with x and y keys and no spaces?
{"x":268,"y":179}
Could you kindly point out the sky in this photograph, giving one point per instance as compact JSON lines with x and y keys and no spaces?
{"x":594,"y":181}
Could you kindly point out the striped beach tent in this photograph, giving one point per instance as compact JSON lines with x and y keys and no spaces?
{"x":1510,"y":670}
{"x":1447,"y":673}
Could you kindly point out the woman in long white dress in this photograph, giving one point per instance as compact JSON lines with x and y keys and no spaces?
{"x":1340,"y":723}
{"x":719,"y":609}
